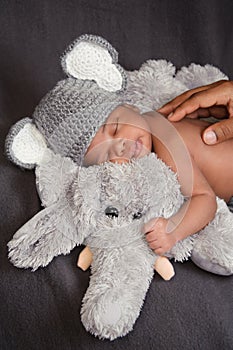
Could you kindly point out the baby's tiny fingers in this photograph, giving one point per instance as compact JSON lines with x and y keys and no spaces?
{"x":159,"y":251}
{"x":151,"y":236}
{"x":154,"y":245}
{"x":149,"y":226}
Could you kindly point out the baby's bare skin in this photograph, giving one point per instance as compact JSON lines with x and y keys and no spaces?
{"x":215,"y":162}
{"x":203,"y":171}
{"x":198,"y":168}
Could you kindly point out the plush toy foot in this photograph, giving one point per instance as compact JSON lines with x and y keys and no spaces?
{"x":164,"y":268}
{"x":85,"y":259}
{"x":207,"y":265}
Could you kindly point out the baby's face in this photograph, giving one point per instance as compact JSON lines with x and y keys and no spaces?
{"x":124,"y":136}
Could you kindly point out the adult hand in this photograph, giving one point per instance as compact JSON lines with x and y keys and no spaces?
{"x":210,"y":100}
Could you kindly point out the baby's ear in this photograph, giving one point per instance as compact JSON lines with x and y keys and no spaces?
{"x":24,"y":144}
{"x":91,"y":57}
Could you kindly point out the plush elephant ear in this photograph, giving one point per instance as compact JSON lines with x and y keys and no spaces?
{"x":24,"y":144}
{"x":50,"y":233}
{"x":91,"y":57}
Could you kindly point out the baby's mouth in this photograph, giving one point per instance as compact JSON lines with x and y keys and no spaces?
{"x":137,"y":148}
{"x":134,"y":151}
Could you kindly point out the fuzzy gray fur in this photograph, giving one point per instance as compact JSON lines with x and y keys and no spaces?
{"x":75,"y":200}
{"x":71,"y":113}
{"x":122,"y":266}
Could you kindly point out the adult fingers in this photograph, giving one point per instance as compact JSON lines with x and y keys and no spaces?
{"x":173,"y":104}
{"x":216,"y":111}
{"x":218,"y":132}
{"x":169,"y":107}
{"x":215,"y":96}
{"x":199,"y":100}
{"x":199,"y":113}
{"x":230,"y":103}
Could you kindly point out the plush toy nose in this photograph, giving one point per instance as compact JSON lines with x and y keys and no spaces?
{"x":112,"y":212}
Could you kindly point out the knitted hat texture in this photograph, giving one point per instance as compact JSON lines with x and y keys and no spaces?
{"x":69,"y":116}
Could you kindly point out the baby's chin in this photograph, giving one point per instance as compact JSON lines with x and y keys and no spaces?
{"x":120,"y":160}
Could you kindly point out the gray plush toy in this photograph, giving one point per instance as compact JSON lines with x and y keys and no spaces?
{"x":105,"y":206}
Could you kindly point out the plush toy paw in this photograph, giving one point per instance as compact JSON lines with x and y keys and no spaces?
{"x":206,"y":264}
{"x":213,"y":246}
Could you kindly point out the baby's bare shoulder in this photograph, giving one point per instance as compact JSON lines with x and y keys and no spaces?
{"x":190,"y":127}
{"x":215,"y":162}
{"x":190,"y":131}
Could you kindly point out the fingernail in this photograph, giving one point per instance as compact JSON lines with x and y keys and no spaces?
{"x":170,"y":115}
{"x":210,"y":137}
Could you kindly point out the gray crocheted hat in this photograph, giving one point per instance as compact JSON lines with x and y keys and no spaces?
{"x":70,"y":114}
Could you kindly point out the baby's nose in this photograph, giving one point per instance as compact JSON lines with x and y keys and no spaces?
{"x":119,"y":147}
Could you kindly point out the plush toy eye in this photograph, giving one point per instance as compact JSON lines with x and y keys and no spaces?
{"x":111,"y":212}
{"x":137,"y":215}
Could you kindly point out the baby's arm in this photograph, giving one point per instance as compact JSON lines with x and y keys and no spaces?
{"x":197,"y":211}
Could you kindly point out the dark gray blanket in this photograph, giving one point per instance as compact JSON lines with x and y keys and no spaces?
{"x":40,"y":311}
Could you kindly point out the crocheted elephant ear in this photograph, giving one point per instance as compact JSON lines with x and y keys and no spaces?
{"x":91,"y":57}
{"x":24,"y":144}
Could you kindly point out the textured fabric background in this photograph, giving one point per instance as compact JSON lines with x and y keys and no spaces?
{"x":41,"y":310}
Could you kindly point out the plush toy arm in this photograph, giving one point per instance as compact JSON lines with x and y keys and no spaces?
{"x":49,"y":233}
{"x":25,"y":145}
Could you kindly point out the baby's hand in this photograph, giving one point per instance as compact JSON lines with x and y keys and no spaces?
{"x":158,"y":237}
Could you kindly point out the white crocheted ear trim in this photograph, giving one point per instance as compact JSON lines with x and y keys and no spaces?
{"x":90,"y":61}
{"x":29,"y":145}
